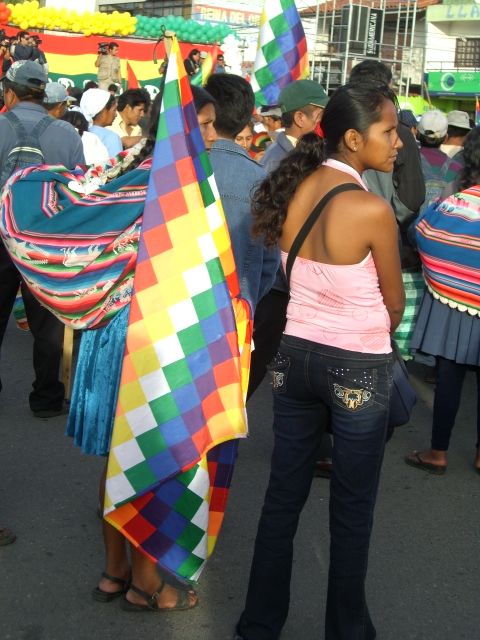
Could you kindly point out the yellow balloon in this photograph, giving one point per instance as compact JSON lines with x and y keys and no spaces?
{"x":132,"y":29}
{"x":94,"y":30}
{"x":76,"y":26}
{"x":87,"y":33}
{"x":26,"y":4}
{"x":124,"y":32}
{"x":115,"y":26}
{"x":35,"y":4}
{"x":64,"y":26}
{"x":40,"y":24}
{"x":57,"y":22}
{"x":23,"y":25}
{"x":10,"y":6}
{"x":109,"y":32}
{"x":115,"y":13}
{"x":32,"y":22}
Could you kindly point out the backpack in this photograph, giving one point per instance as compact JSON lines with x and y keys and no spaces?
{"x":435,"y":183}
{"x":27,"y":147}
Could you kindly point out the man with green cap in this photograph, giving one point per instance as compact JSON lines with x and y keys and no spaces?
{"x":302,"y":103}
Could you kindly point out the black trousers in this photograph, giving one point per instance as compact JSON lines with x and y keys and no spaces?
{"x":47,"y":331}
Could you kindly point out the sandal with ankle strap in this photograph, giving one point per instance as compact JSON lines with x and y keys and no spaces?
{"x":106,"y":596}
{"x":183,"y":602}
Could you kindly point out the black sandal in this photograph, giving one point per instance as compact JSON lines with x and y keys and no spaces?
{"x":183,"y":602}
{"x":106,"y":596}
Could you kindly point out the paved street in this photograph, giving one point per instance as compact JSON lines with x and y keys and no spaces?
{"x":424,"y":563}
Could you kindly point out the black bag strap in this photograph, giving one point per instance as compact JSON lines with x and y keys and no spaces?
{"x":310,"y":221}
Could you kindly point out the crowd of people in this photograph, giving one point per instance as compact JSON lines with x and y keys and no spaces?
{"x":329,"y":201}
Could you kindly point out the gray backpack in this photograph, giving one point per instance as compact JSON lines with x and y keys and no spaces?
{"x":26,"y":151}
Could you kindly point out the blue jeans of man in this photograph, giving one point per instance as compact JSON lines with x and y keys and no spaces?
{"x":310,"y":381}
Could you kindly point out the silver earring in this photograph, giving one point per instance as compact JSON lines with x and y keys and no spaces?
{"x":354,"y":148}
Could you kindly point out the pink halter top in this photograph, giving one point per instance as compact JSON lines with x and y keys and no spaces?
{"x":338,"y":305}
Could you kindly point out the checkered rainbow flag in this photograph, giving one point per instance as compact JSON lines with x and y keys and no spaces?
{"x":181,"y":398}
{"x":282,"y":55}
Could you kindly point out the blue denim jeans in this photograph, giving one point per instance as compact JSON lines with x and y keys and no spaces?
{"x":310,"y":381}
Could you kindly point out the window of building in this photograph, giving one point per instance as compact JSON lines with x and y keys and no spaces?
{"x":467,"y":52}
{"x":152,"y":8}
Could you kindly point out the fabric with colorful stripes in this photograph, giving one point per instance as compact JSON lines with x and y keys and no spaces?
{"x":74,"y":237}
{"x":448,"y":237}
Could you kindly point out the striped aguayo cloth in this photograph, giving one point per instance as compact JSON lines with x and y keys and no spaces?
{"x":77,"y":247}
{"x":448,"y":237}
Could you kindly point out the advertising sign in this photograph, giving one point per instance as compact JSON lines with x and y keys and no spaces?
{"x":449,"y":12}
{"x":232,"y":13}
{"x":453,"y":83}
{"x":374,"y":32}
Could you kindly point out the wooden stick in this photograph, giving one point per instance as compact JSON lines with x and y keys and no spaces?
{"x":428,"y":95}
{"x":67,"y":361}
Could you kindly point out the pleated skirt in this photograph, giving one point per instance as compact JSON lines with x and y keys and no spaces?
{"x":446,"y":332}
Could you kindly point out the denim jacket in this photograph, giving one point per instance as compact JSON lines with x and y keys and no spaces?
{"x":276,"y":152}
{"x":236,"y":174}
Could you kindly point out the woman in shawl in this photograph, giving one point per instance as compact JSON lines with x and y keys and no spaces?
{"x":448,"y":325}
{"x":91,"y":419}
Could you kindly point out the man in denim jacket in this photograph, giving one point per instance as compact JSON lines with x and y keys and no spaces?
{"x":237,"y":175}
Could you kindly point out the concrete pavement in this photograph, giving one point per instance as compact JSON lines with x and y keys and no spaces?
{"x":424,"y":569}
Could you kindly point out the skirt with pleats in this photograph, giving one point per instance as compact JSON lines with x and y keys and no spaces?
{"x":446,"y":332}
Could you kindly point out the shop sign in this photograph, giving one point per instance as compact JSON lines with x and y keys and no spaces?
{"x":453,"y":83}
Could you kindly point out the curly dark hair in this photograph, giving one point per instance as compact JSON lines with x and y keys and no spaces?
{"x":470,"y":174}
{"x":353,"y":106}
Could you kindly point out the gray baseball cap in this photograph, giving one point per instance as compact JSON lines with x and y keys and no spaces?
{"x":27,"y":73}
{"x":55,"y":92}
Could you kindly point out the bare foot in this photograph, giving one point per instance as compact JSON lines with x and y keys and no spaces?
{"x":167,"y":598}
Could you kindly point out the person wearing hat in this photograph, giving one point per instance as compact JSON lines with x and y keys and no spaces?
{"x":24,"y":92}
{"x":407,"y":117}
{"x":302,"y":103}
{"x":56,"y":98}
{"x":100,"y":108}
{"x":458,"y":128}
{"x":432,"y":133}
{"x":272,"y":120}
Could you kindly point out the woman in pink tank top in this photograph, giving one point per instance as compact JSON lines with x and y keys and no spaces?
{"x":334,"y":361}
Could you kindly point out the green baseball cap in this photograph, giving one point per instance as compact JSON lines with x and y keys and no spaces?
{"x":299,"y":93}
